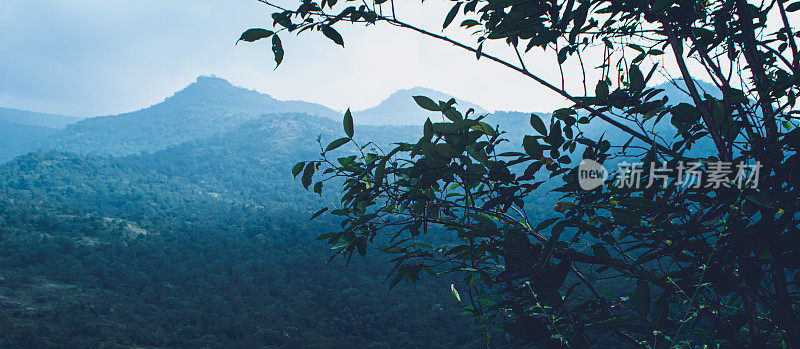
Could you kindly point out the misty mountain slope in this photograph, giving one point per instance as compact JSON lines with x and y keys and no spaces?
{"x":249,"y":165}
{"x":24,"y":117}
{"x":400,"y":109}
{"x":256,"y":157}
{"x":206,"y":107}
{"x":17,"y":139}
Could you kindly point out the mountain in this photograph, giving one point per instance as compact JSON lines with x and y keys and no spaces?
{"x":256,"y":157}
{"x":400,"y":109}
{"x":22,"y":131}
{"x":17,"y":139}
{"x":198,"y":235}
{"x":31,"y":118}
{"x":206,"y":107}
{"x":202,"y":244}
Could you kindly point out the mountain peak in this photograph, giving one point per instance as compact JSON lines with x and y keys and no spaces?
{"x":212,"y":85}
{"x":211,"y":80}
{"x":400,"y":109}
{"x":416,"y":89}
{"x":209,"y":91}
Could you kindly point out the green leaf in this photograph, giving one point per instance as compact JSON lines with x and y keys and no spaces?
{"x":603,"y":146}
{"x":308,"y":175}
{"x":601,"y":90}
{"x":660,"y":313}
{"x":545,"y":223}
{"x":485,"y":128}
{"x":298,"y":167}
{"x":761,"y":199}
{"x":555,"y":138}
{"x":684,"y":115}
{"x":469,"y":23}
{"x":395,"y":281}
{"x":600,"y":251}
{"x":427,"y":103}
{"x":538,"y":125}
{"x":624,"y":218}
{"x":636,"y":78}
{"x":641,"y":297}
{"x":532,"y":147}
{"x":348,"y":123}
{"x":547,"y":250}
{"x":562,"y":55}
{"x":454,"y":293}
{"x":793,"y":7}
{"x":277,"y":50}
{"x":451,"y":15}
{"x":316,"y":214}
{"x":337,"y":143}
{"x":563,"y":113}
{"x":452,"y":114}
{"x":361,"y":246}
{"x":393,"y":249}
{"x":347,"y":160}
{"x":254,"y":34}
{"x":332,"y":34}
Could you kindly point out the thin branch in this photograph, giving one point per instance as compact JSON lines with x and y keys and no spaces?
{"x":581,"y":104}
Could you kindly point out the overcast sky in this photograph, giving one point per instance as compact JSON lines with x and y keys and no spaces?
{"x":88,"y":58}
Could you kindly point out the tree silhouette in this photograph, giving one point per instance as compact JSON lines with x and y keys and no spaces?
{"x":699,"y":247}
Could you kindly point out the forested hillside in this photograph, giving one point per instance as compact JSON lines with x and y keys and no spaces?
{"x":204,"y":243}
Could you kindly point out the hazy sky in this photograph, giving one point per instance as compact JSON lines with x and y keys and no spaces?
{"x":89,"y":58}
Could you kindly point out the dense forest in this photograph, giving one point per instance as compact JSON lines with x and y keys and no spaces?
{"x":95,"y":251}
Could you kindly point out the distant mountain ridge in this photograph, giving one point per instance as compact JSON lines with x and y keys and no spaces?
{"x":17,"y":139}
{"x":211,"y":106}
{"x":400,"y":109}
{"x":206,"y":107}
{"x":31,"y":118}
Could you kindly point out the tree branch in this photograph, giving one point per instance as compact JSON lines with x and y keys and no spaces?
{"x":578,"y":102}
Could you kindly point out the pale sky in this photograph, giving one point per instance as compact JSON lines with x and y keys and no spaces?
{"x":88,"y":58}
{"x":92,"y":57}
